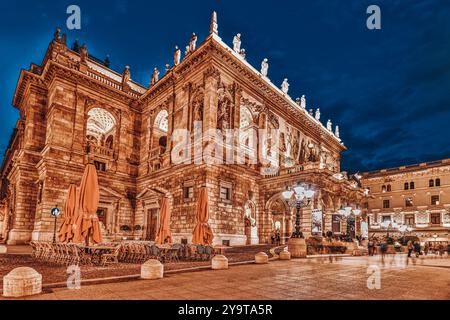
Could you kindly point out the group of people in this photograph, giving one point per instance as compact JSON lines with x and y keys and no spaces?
{"x":276,"y":237}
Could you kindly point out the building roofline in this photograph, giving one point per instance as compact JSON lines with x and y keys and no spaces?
{"x":406,"y":168}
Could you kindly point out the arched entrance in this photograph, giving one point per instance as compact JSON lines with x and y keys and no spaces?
{"x":281,"y":220}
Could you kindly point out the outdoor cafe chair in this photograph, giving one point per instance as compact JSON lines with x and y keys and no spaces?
{"x":209,"y":251}
{"x":200,"y":251}
{"x":111,"y":257}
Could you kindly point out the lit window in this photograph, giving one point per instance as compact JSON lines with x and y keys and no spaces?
{"x":162,"y":121}
{"x":434,"y":200}
{"x":225,"y":191}
{"x":383,"y":189}
{"x":385,"y":218}
{"x":188,"y":192}
{"x":409,"y":202}
{"x":435,"y":218}
{"x":409,"y":219}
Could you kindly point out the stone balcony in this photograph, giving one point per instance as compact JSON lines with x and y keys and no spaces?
{"x":99,"y":151}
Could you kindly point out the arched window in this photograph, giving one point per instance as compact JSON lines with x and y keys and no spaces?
{"x":431,"y":183}
{"x":383,"y":188}
{"x":162,"y":121}
{"x":411,"y":185}
{"x":438,"y":182}
{"x":388,"y":188}
{"x":406,"y":186}
{"x":100,"y":124}
{"x":245,"y":117}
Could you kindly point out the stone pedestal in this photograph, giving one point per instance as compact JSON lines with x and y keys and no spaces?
{"x":3,"y":249}
{"x":297,"y":247}
{"x":285,"y":255}
{"x":152,"y":269}
{"x":22,"y":281}
{"x":219,"y":262}
{"x":261,"y":257}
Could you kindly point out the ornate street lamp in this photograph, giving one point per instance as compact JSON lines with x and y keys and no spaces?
{"x":347,"y":213}
{"x":298,"y":197}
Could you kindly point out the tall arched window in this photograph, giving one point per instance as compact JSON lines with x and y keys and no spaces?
{"x":100,"y":125}
{"x":388,"y":188}
{"x":431,"y":183}
{"x":162,"y":121}
{"x":383,"y":188}
{"x":406,"y":186}
{"x":438,"y":182}
{"x":411,"y":185}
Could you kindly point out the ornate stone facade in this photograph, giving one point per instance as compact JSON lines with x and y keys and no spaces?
{"x":416,"y":195}
{"x":75,"y":110}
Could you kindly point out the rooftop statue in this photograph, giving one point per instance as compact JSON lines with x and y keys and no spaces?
{"x":311,"y":111}
{"x":83,"y":53}
{"x":329,"y":125}
{"x":214,"y":27}
{"x":187,"y":51}
{"x":237,"y":43}
{"x":264,"y":67}
{"x":336,"y":132}
{"x":303,"y":102}
{"x":155,"y":77}
{"x":167,"y":67}
{"x":243,"y":53}
{"x":193,"y":42}
{"x":317,"y":114}
{"x":285,"y":86}
{"x":176,"y":56}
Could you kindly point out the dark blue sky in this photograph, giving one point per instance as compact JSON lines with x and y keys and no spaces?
{"x":389,"y":89}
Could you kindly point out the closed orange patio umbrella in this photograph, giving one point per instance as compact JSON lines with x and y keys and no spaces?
{"x":164,"y":224}
{"x":202,"y":233}
{"x":87,"y":223}
{"x":70,"y":209}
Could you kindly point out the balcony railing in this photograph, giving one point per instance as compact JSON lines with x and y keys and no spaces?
{"x":100,"y":151}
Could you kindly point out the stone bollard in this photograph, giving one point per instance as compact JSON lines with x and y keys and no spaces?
{"x":285,"y":255}
{"x":261,"y":257}
{"x":219,"y":262}
{"x":152,"y":269}
{"x":3,"y":249}
{"x":22,"y":281}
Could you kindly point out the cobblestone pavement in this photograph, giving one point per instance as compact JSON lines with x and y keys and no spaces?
{"x":319,"y":278}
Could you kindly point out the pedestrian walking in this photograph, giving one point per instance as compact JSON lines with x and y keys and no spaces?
{"x":410,"y":248}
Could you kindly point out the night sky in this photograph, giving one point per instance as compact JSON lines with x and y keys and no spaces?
{"x":388,"y":89}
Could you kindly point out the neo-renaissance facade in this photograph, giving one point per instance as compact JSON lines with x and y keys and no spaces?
{"x":417,"y":196}
{"x":75,"y":110}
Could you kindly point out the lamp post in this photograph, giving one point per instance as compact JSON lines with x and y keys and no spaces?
{"x":55,"y":212}
{"x":298,"y":197}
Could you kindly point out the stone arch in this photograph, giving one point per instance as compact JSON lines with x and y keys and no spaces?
{"x":100,"y":124}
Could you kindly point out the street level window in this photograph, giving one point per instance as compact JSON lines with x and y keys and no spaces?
{"x":409,"y":219}
{"x":386,"y":204}
{"x":408,"y":202}
{"x":434,"y":200}
{"x":225,"y":191}
{"x":188,"y":192}
{"x":385,"y":218}
{"x":435,"y":218}
{"x":100,"y":166}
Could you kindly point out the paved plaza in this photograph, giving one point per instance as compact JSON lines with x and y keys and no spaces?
{"x":318,"y":278}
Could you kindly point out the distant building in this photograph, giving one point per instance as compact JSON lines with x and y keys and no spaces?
{"x":416,"y":196}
